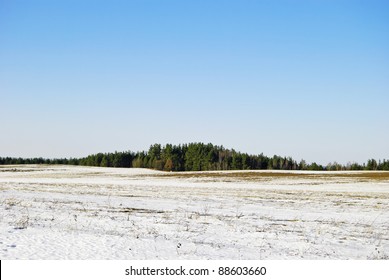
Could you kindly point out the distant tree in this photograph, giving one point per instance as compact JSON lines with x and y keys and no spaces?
{"x":137,"y":162}
{"x":371,"y":164}
{"x":168,"y":165}
{"x":302,"y":165}
{"x":315,"y":167}
{"x":104,"y":162}
{"x":195,"y":157}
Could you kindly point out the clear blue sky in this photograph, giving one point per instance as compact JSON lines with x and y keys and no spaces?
{"x":307,"y":79}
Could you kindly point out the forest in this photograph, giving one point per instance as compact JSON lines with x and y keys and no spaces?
{"x":196,"y":157}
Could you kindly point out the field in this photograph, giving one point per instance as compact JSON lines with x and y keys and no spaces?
{"x":71,"y":212}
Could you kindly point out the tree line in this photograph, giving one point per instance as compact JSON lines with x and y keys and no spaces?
{"x":196,"y":157}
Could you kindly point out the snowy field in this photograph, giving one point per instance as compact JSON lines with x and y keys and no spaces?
{"x":71,"y":212}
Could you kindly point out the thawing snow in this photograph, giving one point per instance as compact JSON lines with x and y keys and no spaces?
{"x":71,"y":212}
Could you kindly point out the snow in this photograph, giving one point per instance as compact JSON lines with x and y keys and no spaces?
{"x":72,"y":212}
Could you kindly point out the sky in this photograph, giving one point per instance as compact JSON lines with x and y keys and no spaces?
{"x":306,"y":79}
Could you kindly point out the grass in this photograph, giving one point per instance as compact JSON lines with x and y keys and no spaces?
{"x":266,"y":175}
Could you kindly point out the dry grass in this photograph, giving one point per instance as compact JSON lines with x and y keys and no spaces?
{"x":264,"y":175}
